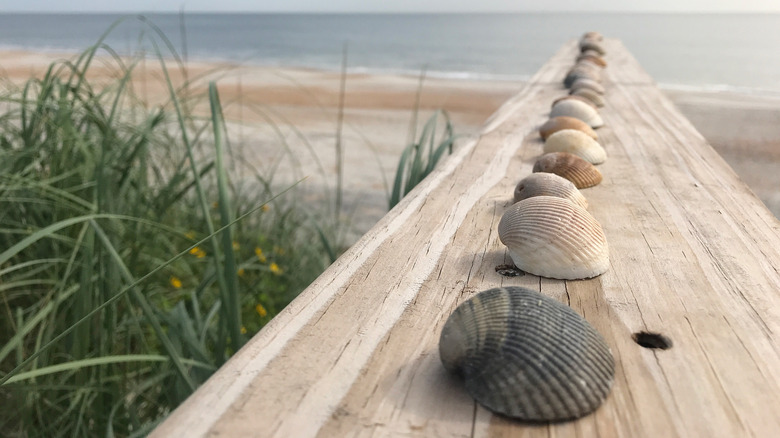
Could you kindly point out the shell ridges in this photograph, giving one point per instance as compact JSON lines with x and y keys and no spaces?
{"x":548,"y":184}
{"x":553,"y":237}
{"x":527,"y":356}
{"x":576,"y":142}
{"x":579,"y":110}
{"x":582,"y":173}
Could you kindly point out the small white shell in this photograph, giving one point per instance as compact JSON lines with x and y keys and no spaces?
{"x":578,"y":110}
{"x":575,"y":142}
{"x":590,"y":95}
{"x":553,"y":237}
{"x":588,"y":84}
{"x":549,"y":184}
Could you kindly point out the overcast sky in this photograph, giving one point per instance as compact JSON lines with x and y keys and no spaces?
{"x":388,"y":5}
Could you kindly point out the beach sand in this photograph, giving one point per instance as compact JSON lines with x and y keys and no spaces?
{"x":283,"y":122}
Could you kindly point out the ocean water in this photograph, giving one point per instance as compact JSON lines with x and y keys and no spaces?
{"x":698,"y":51}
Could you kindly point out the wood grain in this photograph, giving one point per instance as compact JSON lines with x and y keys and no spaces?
{"x":694,"y":256}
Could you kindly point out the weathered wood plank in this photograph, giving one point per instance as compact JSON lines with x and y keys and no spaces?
{"x":694,"y":255}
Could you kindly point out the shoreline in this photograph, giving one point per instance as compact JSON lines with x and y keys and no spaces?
{"x":298,"y":107}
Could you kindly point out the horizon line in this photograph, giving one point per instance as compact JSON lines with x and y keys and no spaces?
{"x":238,"y":11}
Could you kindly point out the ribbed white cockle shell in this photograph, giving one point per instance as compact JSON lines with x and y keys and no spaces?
{"x":578,"y":110}
{"x":553,"y":237}
{"x":548,"y":184}
{"x":576,"y":142}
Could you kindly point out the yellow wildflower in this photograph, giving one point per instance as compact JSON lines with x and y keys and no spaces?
{"x":197,"y":252}
{"x":259,"y":254}
{"x":261,"y":310}
{"x":241,"y":272}
{"x":190,"y":235}
{"x":236,"y":246}
{"x":278,"y":250}
{"x":275,"y":269}
{"x":175,"y":282}
{"x":265,"y":207}
{"x":243,"y":330}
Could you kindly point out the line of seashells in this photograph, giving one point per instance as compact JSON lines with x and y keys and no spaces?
{"x":520,"y":353}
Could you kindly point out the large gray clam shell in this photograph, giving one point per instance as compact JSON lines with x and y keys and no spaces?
{"x":527,"y":356}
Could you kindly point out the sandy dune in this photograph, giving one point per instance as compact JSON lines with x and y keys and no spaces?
{"x":284,"y":121}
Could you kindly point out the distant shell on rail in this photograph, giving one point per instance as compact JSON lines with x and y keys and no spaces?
{"x":591,"y":96}
{"x":589,"y":84}
{"x":592,"y":57}
{"x":580,"y":73}
{"x":527,"y":356}
{"x":558,"y":123}
{"x":576,"y":142}
{"x":575,"y":97}
{"x":591,"y":53}
{"x":589,"y":44}
{"x":571,"y":167}
{"x":588,"y":63}
{"x":549,"y":184}
{"x":553,"y":237}
{"x":578,"y":110}
{"x":588,"y":68}
{"x":592,"y":35}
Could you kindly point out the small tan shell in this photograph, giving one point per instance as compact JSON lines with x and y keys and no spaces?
{"x":571,"y":167}
{"x":527,"y":356}
{"x":589,"y":95}
{"x":549,"y":184}
{"x":553,"y":237}
{"x":589,"y":44}
{"x":576,"y":97}
{"x":588,"y":63}
{"x":576,"y":142}
{"x":558,"y":123}
{"x":592,"y":57}
{"x":587,"y":84}
{"x":578,"y":110}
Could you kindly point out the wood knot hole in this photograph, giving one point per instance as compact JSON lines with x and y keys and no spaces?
{"x":652,"y":340}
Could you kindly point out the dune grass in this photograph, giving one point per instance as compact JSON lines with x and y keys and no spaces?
{"x":130,"y":267}
{"x":414,"y":164}
{"x":420,"y":157}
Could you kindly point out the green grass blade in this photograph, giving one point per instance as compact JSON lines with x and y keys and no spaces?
{"x":398,"y":183}
{"x":228,"y":275}
{"x":99,"y":361}
{"x":145,"y":306}
{"x":121,"y":292}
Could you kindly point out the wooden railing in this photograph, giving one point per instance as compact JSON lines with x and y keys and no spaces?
{"x":695,"y":256}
